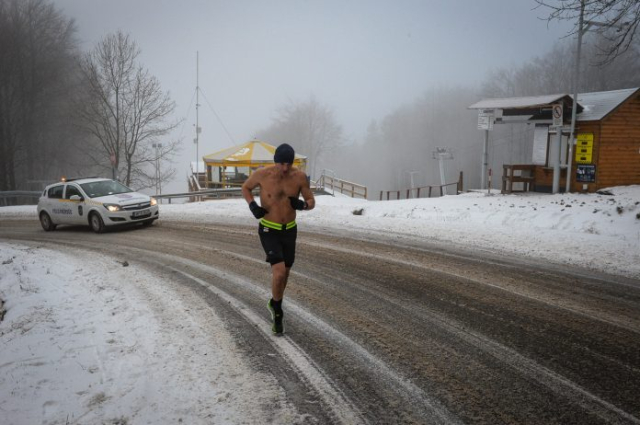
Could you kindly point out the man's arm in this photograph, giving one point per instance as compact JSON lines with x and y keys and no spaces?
{"x":251,"y":183}
{"x":307,"y":194}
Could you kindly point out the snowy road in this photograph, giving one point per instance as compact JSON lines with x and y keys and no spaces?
{"x":408,"y":333}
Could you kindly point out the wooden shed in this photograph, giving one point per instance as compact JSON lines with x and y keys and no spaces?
{"x":607,"y":148}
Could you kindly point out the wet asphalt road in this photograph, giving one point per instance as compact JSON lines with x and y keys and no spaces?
{"x":383,"y":331}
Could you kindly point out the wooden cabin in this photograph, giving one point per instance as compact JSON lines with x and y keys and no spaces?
{"x":607,"y":134}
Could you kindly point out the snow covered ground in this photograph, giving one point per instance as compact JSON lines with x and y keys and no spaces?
{"x":82,"y":340}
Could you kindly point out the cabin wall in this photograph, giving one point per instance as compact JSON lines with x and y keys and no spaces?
{"x":618,"y":161}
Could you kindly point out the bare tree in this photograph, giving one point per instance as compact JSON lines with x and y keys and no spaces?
{"x":126,"y":112}
{"x":552,"y":72}
{"x":37,"y":77}
{"x":310,"y":127}
{"x":617,"y":20}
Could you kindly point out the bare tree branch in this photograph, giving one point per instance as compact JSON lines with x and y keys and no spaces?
{"x":616,"y":20}
{"x":127,"y":111}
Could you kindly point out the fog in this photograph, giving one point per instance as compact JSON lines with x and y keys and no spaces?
{"x":364,"y":60}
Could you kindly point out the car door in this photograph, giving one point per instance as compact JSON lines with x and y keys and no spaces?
{"x":58,"y":209}
{"x":75,"y":201}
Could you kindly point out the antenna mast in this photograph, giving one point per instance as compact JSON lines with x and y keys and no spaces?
{"x":198,"y":129}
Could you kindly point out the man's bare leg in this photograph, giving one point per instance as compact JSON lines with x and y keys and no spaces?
{"x":280,"y":275}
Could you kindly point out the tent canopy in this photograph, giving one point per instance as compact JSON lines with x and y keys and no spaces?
{"x":255,"y":153}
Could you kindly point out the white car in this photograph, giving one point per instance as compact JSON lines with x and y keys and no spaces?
{"x":96,"y":202}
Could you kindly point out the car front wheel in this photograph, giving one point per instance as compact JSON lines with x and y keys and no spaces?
{"x":96,"y":222}
{"x":46,"y":222}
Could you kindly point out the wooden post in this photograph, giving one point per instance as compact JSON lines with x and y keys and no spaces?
{"x":381,"y":195}
{"x":461,"y":183}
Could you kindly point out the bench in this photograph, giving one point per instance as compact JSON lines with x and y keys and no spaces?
{"x":518,"y":173}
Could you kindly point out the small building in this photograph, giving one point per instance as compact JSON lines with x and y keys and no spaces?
{"x":607,"y":134}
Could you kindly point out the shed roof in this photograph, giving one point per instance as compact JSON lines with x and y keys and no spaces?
{"x":525,"y":102}
{"x":592,"y":106}
{"x":598,"y":105}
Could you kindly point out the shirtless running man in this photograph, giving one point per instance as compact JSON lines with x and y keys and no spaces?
{"x":280,"y":187}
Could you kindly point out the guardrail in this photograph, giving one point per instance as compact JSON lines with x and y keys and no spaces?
{"x":17,"y":194}
{"x":206,"y":194}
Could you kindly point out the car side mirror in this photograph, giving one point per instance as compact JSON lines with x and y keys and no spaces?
{"x":76,"y":198}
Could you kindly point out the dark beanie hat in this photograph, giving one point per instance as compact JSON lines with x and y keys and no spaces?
{"x":284,"y":154}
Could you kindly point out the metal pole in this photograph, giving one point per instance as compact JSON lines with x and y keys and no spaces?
{"x":197,"y":107}
{"x":159,"y":171}
{"x":576,"y":80}
{"x":411,"y":173}
{"x":485,"y":160}
{"x":556,"y":163}
{"x":442,"y":180}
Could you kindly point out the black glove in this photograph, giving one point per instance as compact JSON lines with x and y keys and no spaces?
{"x":297,"y":204}
{"x":257,"y":210}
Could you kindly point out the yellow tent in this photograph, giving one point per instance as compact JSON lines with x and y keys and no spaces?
{"x":250,"y":156}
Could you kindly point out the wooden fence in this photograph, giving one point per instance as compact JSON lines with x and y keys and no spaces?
{"x":354,"y":190}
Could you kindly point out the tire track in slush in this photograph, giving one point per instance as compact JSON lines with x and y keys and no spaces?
{"x":592,"y":315}
{"x":341,"y":407}
{"x":555,"y":382}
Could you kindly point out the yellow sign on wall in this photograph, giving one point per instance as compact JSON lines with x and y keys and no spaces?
{"x":584,"y":148}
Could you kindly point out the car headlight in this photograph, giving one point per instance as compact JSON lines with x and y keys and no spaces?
{"x":154,"y":202}
{"x":113,"y":207}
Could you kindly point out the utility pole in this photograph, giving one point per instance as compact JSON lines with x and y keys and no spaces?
{"x":576,"y":80}
{"x":158,"y":179}
{"x":485,"y":160}
{"x":198,"y":129}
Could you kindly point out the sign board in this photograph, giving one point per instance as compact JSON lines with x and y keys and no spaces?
{"x":556,"y":112}
{"x":584,"y":148}
{"x":584,"y":139}
{"x":485,"y":122}
{"x":540,"y":142}
{"x":586,"y":174}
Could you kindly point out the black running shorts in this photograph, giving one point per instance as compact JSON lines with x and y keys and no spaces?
{"x":278,"y":241}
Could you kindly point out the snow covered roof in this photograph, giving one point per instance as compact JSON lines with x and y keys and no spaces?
{"x":518,"y":102}
{"x":598,"y":105}
{"x":591,"y":106}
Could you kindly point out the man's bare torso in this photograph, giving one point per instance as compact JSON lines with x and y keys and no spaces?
{"x":275,"y":190}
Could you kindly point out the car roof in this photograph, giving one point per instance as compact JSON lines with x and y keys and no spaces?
{"x":81,"y":181}
{"x":88,"y":180}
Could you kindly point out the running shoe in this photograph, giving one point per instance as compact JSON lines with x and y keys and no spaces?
{"x":277,"y":319}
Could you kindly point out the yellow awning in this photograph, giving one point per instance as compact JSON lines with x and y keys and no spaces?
{"x":255,"y":153}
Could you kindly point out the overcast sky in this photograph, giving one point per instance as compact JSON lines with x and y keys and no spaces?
{"x":362,"y":58}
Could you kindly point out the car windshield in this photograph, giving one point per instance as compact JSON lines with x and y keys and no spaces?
{"x":104,"y":188}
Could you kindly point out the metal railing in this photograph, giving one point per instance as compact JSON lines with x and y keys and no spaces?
{"x":416,"y":192}
{"x":30,"y":195}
